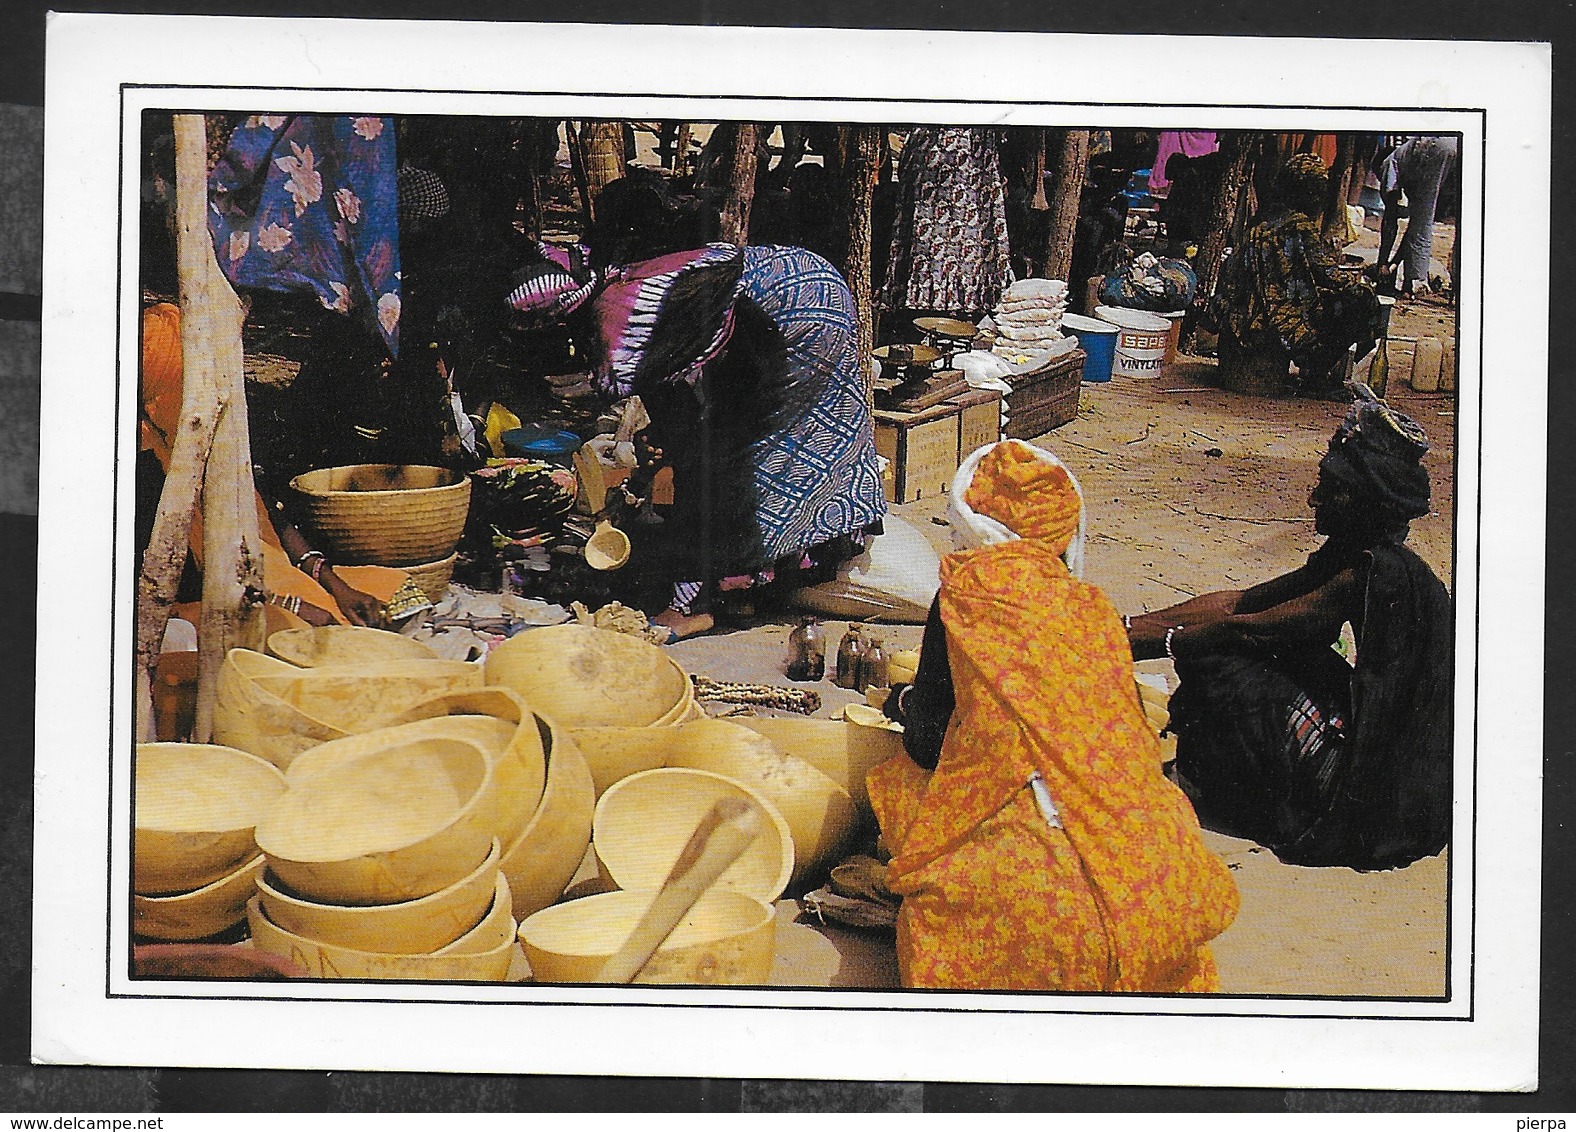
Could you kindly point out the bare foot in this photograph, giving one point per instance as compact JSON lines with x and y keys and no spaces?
{"x":684,"y":624}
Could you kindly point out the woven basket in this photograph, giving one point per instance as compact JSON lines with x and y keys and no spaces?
{"x":386,"y":514}
{"x":433,"y":577}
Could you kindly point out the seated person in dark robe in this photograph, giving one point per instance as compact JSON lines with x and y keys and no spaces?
{"x":1280,"y":738}
{"x":1282,"y":291}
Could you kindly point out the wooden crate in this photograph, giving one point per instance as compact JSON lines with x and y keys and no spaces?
{"x":921,"y":451}
{"x":1045,"y":398}
{"x":979,"y":420}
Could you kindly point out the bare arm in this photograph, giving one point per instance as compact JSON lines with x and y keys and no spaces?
{"x":1280,"y":605}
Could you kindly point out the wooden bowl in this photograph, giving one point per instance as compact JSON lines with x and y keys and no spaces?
{"x":545,"y":858}
{"x":326,"y":961}
{"x":726,"y":938}
{"x":644,"y":821}
{"x":252,"y":718}
{"x":195,"y":806}
{"x":843,"y":752}
{"x":385,"y":514}
{"x":495,"y":929}
{"x":586,"y":677}
{"x":520,"y":780}
{"x":327,"y":645}
{"x":392,"y":825}
{"x":410,"y":927}
{"x":360,"y":697}
{"x":820,"y":813}
{"x":206,"y":911}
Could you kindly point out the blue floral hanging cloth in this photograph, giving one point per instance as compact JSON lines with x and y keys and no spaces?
{"x":310,"y":202}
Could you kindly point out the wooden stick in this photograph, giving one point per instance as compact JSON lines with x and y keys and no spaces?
{"x":722,"y":836}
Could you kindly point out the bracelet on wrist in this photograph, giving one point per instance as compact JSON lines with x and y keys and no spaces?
{"x":1170,"y":633}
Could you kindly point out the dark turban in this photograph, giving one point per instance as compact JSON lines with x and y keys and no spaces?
{"x":1377,"y":453}
{"x":1303,"y":181}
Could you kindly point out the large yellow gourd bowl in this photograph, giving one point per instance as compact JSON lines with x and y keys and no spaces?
{"x":360,"y":697}
{"x":195,"y":806}
{"x":545,"y":857}
{"x":201,"y":913}
{"x":587,"y":677}
{"x":644,"y":821}
{"x":410,"y":927}
{"x":727,"y":938}
{"x":820,"y":814}
{"x":252,"y":718}
{"x":325,"y":961}
{"x":326,"y":645}
{"x":615,"y":753}
{"x":844,"y":752}
{"x":392,"y":825}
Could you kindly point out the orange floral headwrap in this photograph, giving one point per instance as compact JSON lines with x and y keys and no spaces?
{"x":1031,"y":497}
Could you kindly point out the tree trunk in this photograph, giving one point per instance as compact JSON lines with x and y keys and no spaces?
{"x":1237,"y":151}
{"x":604,"y":154}
{"x":577,"y":165}
{"x":859,"y":165}
{"x":213,"y":378}
{"x":1340,"y":184}
{"x":740,"y":195}
{"x":1072,"y":163}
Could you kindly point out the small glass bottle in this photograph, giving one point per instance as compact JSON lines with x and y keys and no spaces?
{"x":873,"y":666}
{"x":1379,"y":369}
{"x":807,"y":651}
{"x":849,"y":652}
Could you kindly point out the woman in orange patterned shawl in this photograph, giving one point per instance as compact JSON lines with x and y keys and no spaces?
{"x":1046,"y":851}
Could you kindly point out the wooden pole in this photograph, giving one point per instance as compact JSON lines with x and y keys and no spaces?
{"x":1237,"y":150}
{"x":1072,"y":164}
{"x":577,"y":165}
{"x":213,"y":375}
{"x":860,"y":166}
{"x":734,"y":223}
{"x":603,"y":144}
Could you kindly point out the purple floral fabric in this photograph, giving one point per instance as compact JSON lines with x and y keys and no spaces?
{"x":309,"y":202}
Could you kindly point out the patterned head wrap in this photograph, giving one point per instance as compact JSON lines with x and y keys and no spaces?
{"x":1302,"y":181}
{"x":555,"y":286}
{"x":1031,"y":497}
{"x":421,"y":194}
{"x":1377,"y":453}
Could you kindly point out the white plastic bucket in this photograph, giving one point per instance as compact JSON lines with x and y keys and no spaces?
{"x":1141,"y":342}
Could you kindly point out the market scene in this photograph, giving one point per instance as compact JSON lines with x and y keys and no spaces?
{"x":795,"y":554}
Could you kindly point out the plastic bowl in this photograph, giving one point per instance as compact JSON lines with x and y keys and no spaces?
{"x":392,"y":825}
{"x":325,"y":961}
{"x":643,"y":822}
{"x":546,"y":856}
{"x":820,"y":813}
{"x":726,"y":938}
{"x":207,"y":911}
{"x":587,"y":677}
{"x":195,"y":808}
{"x":327,"y":645}
{"x":411,"y":927}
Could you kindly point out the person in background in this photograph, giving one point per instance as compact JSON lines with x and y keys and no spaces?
{"x":1324,"y":758}
{"x":1283,"y":289}
{"x":1035,"y":843}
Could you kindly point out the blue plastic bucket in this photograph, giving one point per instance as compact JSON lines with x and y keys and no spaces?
{"x":1098,"y":342}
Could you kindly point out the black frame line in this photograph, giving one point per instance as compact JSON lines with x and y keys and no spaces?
{"x":1475,"y":672}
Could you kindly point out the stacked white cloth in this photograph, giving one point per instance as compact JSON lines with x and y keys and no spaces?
{"x":1028,"y":320}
